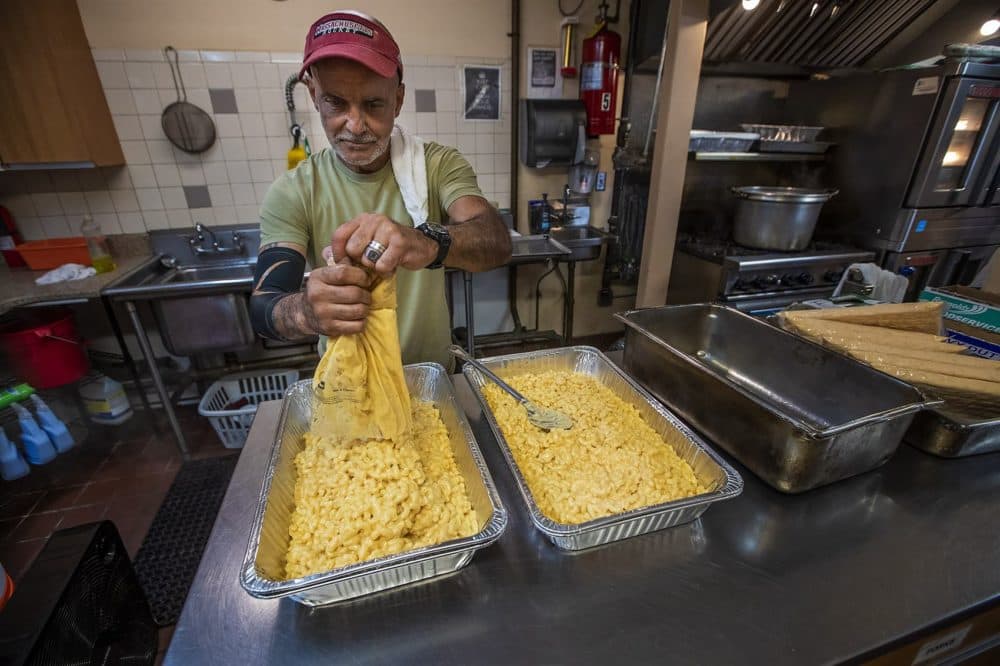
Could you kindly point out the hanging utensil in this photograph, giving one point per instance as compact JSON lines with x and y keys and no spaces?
{"x":542,"y":417}
{"x":297,"y":152}
{"x":187,"y":126}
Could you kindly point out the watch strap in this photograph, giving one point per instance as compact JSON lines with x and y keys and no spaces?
{"x":440,"y":235}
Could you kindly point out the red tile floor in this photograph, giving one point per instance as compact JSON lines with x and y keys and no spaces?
{"x":119,"y":473}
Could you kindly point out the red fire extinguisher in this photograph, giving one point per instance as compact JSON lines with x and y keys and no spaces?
{"x":599,"y":79}
{"x":9,"y":238}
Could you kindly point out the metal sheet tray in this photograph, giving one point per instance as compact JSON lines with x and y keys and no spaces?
{"x":963,"y":425}
{"x":810,"y":147}
{"x":708,"y":466}
{"x":705,"y":141}
{"x":797,"y":414}
{"x":264,"y":564}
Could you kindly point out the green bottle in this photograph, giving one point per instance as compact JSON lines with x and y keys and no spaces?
{"x":14,"y":394}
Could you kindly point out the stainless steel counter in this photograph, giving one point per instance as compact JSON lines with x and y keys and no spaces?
{"x":766,"y":578}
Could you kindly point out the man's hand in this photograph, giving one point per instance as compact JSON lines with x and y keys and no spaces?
{"x":336,"y":300}
{"x":405,"y":246}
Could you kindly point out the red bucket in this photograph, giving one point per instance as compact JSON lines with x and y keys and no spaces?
{"x":43,"y":348}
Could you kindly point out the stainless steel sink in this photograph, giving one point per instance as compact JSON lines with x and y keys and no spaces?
{"x":197,"y":283}
{"x":528,"y":249}
{"x":584,"y":242}
{"x":154,"y":280}
{"x":138,"y":281}
{"x":197,"y":324}
{"x":199,"y":296}
{"x":238,"y":273}
{"x":208,"y":310}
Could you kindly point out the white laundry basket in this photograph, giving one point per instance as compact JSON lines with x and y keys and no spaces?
{"x":252,"y":388}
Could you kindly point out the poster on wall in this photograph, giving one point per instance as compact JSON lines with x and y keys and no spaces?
{"x":482,"y":92}
{"x":543,"y":68}
{"x":544,"y":76}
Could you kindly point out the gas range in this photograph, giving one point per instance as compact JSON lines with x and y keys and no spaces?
{"x":757,"y":280}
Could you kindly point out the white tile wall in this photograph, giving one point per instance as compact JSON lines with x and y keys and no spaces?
{"x":249,"y":152}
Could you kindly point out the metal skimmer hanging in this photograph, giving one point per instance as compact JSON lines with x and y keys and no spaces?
{"x":187,"y":126}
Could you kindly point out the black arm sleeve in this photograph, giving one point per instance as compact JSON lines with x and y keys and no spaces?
{"x":279,"y":274}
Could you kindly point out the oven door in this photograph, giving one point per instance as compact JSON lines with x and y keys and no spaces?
{"x":991,"y":176}
{"x":940,"y":268}
{"x":957,"y":156}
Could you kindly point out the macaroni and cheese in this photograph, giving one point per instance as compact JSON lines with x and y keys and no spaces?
{"x":367,"y":499}
{"x":609,"y":462}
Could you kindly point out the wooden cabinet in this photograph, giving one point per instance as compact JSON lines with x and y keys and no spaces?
{"x":52,"y":108}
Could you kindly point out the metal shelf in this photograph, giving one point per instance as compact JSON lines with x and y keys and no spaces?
{"x":759,"y":157}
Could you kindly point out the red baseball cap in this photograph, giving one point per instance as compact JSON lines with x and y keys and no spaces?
{"x":355,"y":36}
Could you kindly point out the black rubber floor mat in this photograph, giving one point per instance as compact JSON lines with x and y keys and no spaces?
{"x":170,"y":553}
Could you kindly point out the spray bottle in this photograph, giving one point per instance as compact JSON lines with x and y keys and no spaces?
{"x":53,"y":427}
{"x":12,"y":465}
{"x":38,"y":447}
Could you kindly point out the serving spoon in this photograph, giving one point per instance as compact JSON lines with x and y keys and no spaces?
{"x":541,"y":417}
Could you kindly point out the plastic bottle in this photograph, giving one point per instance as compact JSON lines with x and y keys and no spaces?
{"x":14,"y":394}
{"x":97,"y":245}
{"x":38,"y":447}
{"x":105,"y":400}
{"x":10,"y":238}
{"x":12,"y":465}
{"x":546,"y":218}
{"x":53,"y":427}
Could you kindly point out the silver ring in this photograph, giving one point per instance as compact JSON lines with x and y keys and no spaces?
{"x":374,"y":251}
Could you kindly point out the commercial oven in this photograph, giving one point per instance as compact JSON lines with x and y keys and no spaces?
{"x":917,"y":162}
{"x":959,"y":163}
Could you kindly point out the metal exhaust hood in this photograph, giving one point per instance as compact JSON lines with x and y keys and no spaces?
{"x":821,"y":34}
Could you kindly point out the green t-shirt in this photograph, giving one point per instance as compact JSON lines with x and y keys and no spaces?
{"x":306,"y":205}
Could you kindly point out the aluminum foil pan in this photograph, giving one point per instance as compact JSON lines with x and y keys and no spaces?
{"x":799,"y":133}
{"x":264,"y":564}
{"x":708,"y":466}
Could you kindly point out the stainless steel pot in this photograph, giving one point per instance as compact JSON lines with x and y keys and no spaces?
{"x":777,"y":218}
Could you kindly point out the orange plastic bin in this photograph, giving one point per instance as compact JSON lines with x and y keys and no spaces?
{"x":43,"y":255}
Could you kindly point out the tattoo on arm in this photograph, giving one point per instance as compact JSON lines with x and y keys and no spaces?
{"x":290,"y":320}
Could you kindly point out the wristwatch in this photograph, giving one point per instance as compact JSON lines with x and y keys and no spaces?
{"x":439,"y":235}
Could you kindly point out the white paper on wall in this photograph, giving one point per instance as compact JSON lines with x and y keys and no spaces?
{"x":545,"y":79}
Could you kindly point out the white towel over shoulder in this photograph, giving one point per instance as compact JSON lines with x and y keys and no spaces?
{"x":406,"y":151}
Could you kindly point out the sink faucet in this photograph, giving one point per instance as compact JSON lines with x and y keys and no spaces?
{"x":201,"y":230}
{"x":567,"y":217}
{"x":197,"y":242}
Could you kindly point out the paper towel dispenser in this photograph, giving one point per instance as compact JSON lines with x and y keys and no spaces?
{"x":552,"y":132}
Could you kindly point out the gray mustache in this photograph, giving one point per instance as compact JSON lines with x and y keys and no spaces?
{"x":365,"y":138}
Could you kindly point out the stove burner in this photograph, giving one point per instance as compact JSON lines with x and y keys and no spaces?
{"x":709,"y":269}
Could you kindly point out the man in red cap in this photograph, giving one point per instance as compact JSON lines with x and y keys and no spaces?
{"x":345,"y":205}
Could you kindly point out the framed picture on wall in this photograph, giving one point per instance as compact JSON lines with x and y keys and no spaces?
{"x":481,"y":100}
{"x":545,"y":79}
{"x":543,"y":68}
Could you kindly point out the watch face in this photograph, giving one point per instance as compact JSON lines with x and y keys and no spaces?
{"x":439,"y":234}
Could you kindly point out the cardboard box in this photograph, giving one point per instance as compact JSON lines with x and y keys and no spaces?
{"x":972,"y":317}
